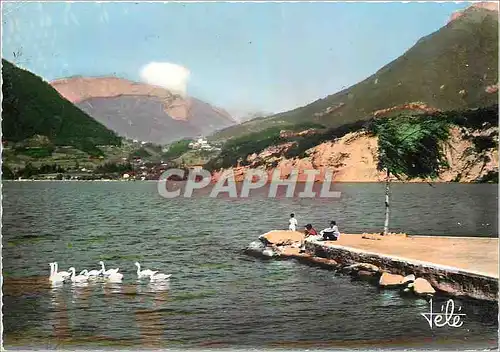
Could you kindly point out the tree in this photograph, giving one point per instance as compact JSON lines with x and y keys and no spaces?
{"x":410,"y":147}
{"x":7,"y":173}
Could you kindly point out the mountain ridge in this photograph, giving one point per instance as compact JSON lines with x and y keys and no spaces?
{"x":33,"y":108}
{"x":164,"y":117}
{"x":448,"y":69}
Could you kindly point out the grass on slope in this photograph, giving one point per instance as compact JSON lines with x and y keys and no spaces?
{"x":239,"y":148}
{"x":463,"y":55}
{"x":32,"y":107}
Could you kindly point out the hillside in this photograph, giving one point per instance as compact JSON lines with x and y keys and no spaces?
{"x":141,"y":111}
{"x":455,"y":67}
{"x":351,"y":151}
{"x":33,"y":110}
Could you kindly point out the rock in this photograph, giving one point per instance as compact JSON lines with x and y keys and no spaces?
{"x":324,"y":261}
{"x":388,"y":280}
{"x":423,"y":287}
{"x":365,"y":274}
{"x":256,"y":246}
{"x":408,"y":279}
{"x":362,"y":266}
{"x":268,"y":252}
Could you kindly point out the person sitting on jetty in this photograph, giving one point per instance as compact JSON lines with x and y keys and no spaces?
{"x":293,"y":223}
{"x":309,"y":231}
{"x":331,"y":233}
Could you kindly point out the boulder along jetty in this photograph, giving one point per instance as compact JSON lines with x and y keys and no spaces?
{"x":422,"y":265}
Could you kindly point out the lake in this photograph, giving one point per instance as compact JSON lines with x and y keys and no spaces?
{"x":218,"y":296}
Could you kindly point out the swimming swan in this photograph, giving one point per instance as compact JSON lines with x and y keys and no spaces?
{"x":55,"y":277}
{"x":64,"y":274}
{"x":91,"y":273}
{"x":109,"y":271}
{"x":77,"y":278}
{"x":115,"y":277}
{"x":144,"y":273}
{"x":159,"y":277}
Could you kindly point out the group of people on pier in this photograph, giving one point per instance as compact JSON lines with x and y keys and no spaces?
{"x":331,"y":233}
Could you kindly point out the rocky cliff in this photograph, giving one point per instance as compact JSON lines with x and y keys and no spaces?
{"x":454,"y":68}
{"x":353,"y":158}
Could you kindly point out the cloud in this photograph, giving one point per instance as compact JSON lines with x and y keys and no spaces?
{"x":167,"y":75}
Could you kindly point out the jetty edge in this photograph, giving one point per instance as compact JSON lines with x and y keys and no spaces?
{"x":463,"y":267}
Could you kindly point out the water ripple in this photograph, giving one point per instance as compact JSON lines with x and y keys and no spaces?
{"x":217,"y":296}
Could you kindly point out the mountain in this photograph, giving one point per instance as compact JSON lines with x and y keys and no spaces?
{"x":33,"y":110}
{"x":141,"y":111}
{"x":453,"y":68}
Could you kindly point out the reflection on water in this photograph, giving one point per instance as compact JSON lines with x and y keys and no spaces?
{"x":59,"y":315}
{"x":217,"y":296}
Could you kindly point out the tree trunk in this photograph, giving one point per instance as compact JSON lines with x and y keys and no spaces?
{"x":387,"y":187}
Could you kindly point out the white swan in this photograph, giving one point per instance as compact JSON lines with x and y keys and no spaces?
{"x":144,"y":273}
{"x":92,"y":273}
{"x":115,"y":277}
{"x":159,"y":277}
{"x":77,"y":278}
{"x":64,"y":274}
{"x":54,"y":276}
{"x":107,"y":272}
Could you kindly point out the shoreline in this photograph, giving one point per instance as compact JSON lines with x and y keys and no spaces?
{"x":398,"y":261}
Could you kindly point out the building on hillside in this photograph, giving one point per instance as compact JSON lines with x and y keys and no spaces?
{"x":201,"y":143}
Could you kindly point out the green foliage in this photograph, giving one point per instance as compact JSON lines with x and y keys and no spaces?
{"x":30,"y":170}
{"x":475,"y":119}
{"x":32,"y":107}
{"x":7,"y":173}
{"x":490,"y":177}
{"x":460,"y":55}
{"x":140,"y":153}
{"x":36,"y":153}
{"x":237,"y":149}
{"x":411,"y":146}
{"x":113,"y":168}
{"x":482,"y":143}
{"x":176,"y":149}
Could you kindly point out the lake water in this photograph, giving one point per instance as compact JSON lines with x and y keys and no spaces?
{"x":218,"y":296}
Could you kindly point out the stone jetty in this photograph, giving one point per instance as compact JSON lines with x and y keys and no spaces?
{"x":422,"y":265}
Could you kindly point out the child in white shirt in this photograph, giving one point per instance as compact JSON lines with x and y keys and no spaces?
{"x":292,"y":223}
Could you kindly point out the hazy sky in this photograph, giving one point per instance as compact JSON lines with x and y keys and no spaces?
{"x":240,"y":56}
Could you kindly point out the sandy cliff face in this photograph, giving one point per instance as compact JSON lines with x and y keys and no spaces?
{"x":353,"y":158}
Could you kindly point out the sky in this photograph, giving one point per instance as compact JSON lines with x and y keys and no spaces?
{"x":244,"y":57}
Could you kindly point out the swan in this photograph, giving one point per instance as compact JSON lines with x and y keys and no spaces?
{"x":109,"y":271}
{"x":159,"y":277}
{"x":64,"y":274}
{"x":91,"y":273}
{"x":115,"y":277}
{"x":54,"y":276}
{"x":144,"y":273}
{"x":77,"y":278}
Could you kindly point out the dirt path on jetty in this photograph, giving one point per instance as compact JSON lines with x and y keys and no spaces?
{"x":467,"y":253}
